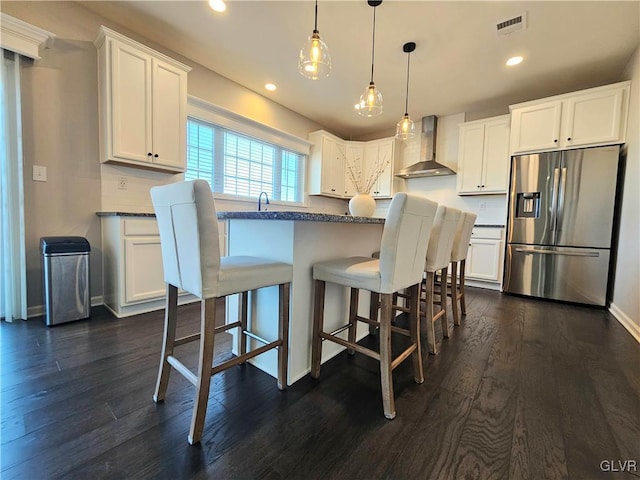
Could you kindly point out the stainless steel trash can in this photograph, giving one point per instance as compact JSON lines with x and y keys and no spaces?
{"x":67,"y":296}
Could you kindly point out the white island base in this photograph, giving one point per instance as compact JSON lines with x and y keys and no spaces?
{"x":302,"y":240}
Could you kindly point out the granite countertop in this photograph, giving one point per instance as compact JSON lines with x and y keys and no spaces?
{"x":268,"y":215}
{"x":282,"y":215}
{"x":298,"y":216}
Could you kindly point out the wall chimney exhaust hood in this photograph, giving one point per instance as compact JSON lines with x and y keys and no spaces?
{"x":427,"y":166}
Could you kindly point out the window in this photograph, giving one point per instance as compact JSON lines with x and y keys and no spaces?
{"x":237,"y":164}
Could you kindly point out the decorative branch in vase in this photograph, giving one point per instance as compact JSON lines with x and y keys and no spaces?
{"x":363,"y":204}
{"x":363,"y":183}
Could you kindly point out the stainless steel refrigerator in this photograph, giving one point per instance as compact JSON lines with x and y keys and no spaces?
{"x":560,"y":225}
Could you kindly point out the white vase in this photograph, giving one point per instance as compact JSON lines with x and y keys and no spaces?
{"x":362,"y":205}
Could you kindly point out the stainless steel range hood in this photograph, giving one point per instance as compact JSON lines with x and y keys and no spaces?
{"x":427,"y":166}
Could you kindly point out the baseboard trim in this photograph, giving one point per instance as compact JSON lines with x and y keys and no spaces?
{"x":38,"y":310}
{"x":480,"y":284}
{"x":626,"y":321}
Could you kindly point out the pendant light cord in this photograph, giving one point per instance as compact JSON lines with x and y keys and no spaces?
{"x":315,"y":27}
{"x":406,"y":101}
{"x":373,"y":46}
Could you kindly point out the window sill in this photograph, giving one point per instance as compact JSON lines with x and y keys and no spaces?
{"x":254,"y":201}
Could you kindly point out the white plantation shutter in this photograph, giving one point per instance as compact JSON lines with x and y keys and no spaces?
{"x":243,"y":164}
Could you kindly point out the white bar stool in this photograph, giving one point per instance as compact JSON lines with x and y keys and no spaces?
{"x":438,"y":257}
{"x":191,"y":260}
{"x":403,"y":248}
{"x":459,"y":256}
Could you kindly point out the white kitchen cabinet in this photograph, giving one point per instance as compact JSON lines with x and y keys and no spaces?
{"x":133,"y":279}
{"x":485,"y":256}
{"x":597,"y":116}
{"x":483,"y":156}
{"x":326,"y":172}
{"x":354,"y":157}
{"x":143,"y":273}
{"x":380,"y":154}
{"x":143,"y":98}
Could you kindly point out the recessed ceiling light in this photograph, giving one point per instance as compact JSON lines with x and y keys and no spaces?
{"x":270,"y":86}
{"x":514,"y":61}
{"x":217,"y":5}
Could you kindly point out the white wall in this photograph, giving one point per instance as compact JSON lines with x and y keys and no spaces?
{"x":60,"y":132}
{"x":626,"y":293}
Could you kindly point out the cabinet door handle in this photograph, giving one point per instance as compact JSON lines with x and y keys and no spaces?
{"x":569,"y":139}
{"x":149,"y":154}
{"x":156,"y":155}
{"x":482,"y":186}
{"x":555,"y":141}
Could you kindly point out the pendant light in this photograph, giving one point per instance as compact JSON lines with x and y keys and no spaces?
{"x":406,"y":128}
{"x":370,"y":104}
{"x":314,"y":60}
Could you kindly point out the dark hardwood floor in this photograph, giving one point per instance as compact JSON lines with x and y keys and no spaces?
{"x":523,"y":389}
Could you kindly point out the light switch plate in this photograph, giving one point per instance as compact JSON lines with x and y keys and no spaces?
{"x":39,"y":173}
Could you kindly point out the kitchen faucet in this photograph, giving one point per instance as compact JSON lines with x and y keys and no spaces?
{"x":260,"y":200}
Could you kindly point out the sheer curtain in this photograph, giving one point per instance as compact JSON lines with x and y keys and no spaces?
{"x":13,"y":282}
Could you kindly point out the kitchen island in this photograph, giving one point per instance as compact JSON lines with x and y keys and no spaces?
{"x":300,"y":239}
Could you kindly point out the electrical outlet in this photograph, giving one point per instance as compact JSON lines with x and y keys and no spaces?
{"x":39,"y":173}
{"x":122,"y":183}
{"x":483,"y":207}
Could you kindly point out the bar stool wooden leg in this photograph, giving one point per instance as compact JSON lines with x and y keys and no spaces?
{"x":283,"y":331}
{"x":205,"y":363}
{"x":169,"y":337}
{"x":443,"y":303}
{"x":414,"y":331}
{"x":431,"y":332}
{"x":374,"y":306}
{"x":353,"y":313}
{"x":454,"y":293}
{"x":242,"y":337}
{"x":318,"y":320}
{"x":386,"y":378}
{"x":463,"y":305}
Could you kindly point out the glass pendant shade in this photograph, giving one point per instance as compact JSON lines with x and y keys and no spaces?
{"x":405,"y":128}
{"x":370,"y":103}
{"x":314,"y":61}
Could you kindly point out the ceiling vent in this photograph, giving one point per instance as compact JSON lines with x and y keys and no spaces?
{"x":519,"y":22}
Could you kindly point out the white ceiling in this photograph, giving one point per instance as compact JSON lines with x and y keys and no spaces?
{"x":458,"y":65}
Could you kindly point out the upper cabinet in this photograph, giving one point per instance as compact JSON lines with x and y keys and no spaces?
{"x":326,"y":173}
{"x":354,"y":163}
{"x":483,"y":156}
{"x":597,"y":116}
{"x":334,"y":161}
{"x":379,"y":158}
{"x":143,"y":100}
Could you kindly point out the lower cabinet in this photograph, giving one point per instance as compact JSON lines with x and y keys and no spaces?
{"x":143,"y":278}
{"x":485,"y":257}
{"x":133,"y":279}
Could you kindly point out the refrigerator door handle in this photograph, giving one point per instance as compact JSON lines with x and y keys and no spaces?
{"x":561,"y":192}
{"x":554,"y":203}
{"x":530,"y":251}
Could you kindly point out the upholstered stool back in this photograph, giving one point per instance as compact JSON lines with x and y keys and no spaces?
{"x":188,"y":227}
{"x":462,"y":236}
{"x":441,"y":240}
{"x":405,"y":237}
